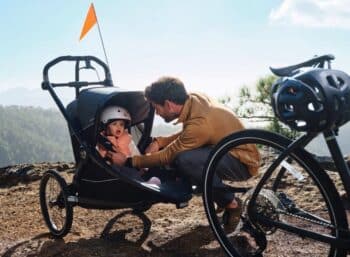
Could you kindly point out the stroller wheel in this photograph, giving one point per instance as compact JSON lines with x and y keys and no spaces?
{"x":56,"y":210}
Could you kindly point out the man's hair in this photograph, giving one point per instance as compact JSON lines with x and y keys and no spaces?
{"x":166,"y":88}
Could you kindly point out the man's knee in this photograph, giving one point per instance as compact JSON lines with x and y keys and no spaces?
{"x":185,"y":164}
{"x":197,"y":155}
{"x":182,"y":159}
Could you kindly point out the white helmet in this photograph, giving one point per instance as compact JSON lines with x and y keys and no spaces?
{"x":115,"y":113}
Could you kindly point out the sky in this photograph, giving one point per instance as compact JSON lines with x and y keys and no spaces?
{"x":214,"y":47}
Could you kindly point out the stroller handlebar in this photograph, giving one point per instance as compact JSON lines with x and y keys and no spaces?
{"x":77,"y":84}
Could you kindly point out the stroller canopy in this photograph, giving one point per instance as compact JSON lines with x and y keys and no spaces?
{"x":88,"y":106}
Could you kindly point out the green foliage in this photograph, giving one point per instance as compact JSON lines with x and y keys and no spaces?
{"x":257,"y":107}
{"x":280,"y":128}
{"x":29,"y":134}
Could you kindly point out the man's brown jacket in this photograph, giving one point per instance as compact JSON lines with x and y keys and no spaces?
{"x":205,"y":122}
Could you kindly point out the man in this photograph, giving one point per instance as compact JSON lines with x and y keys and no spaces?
{"x":205,"y":123}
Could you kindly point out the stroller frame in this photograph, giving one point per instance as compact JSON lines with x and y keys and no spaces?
{"x":96,"y":184}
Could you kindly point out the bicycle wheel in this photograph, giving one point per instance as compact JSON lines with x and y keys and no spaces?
{"x":56,"y":210}
{"x":289,"y":213}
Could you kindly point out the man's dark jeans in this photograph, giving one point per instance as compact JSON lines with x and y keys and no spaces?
{"x":191,"y":165}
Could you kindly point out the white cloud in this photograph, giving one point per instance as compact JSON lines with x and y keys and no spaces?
{"x":313,"y":13}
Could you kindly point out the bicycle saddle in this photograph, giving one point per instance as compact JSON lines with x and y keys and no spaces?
{"x":288,"y":71}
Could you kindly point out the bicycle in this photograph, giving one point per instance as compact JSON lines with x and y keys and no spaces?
{"x":293,"y":202}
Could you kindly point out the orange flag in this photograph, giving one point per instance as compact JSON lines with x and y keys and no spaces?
{"x":90,"y":21}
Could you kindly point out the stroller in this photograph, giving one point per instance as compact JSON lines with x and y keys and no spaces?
{"x":97,"y":184}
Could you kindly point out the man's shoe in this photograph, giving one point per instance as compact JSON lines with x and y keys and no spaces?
{"x":244,"y":244}
{"x":232,"y":216}
{"x":219,"y":209}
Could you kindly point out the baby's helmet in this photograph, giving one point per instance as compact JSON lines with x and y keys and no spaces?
{"x":115,"y":113}
{"x":315,"y":100}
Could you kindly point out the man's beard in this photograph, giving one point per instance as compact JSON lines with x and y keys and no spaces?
{"x":170,"y":117}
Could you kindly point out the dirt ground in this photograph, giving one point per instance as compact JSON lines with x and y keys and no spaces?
{"x":161,"y":231}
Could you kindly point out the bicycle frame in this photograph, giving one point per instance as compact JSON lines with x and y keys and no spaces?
{"x":340,"y":164}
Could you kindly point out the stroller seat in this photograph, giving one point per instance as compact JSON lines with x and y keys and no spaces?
{"x":125,"y":186}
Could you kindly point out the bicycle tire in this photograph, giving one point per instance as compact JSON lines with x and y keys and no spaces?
{"x":57,"y":203}
{"x":332,"y":201}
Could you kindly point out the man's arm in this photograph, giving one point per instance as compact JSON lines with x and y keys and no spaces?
{"x":160,"y":142}
{"x":164,"y":141}
{"x":194,"y":135}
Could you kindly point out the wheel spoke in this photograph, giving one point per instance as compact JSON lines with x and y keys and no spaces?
{"x":57,"y":212}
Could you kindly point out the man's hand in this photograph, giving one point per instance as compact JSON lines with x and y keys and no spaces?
{"x":116,"y":158}
{"x":152,"y":147}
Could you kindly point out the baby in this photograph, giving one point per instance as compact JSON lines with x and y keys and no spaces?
{"x":115,"y":120}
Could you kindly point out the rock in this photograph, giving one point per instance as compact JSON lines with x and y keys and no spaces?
{"x":12,"y":175}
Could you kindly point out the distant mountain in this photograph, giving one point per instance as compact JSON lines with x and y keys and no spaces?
{"x":32,"y":134}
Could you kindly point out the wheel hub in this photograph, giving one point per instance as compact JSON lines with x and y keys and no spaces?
{"x":267,"y":204}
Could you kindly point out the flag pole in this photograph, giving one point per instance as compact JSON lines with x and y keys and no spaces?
{"x":99,"y":32}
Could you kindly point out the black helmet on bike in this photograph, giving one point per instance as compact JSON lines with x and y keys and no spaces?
{"x":314,"y":100}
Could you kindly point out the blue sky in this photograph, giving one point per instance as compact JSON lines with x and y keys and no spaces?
{"x":213,"y":46}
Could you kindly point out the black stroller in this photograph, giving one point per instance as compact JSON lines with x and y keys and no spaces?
{"x":96,"y":184}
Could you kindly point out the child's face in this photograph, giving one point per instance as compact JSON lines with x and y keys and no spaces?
{"x":116,"y":128}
